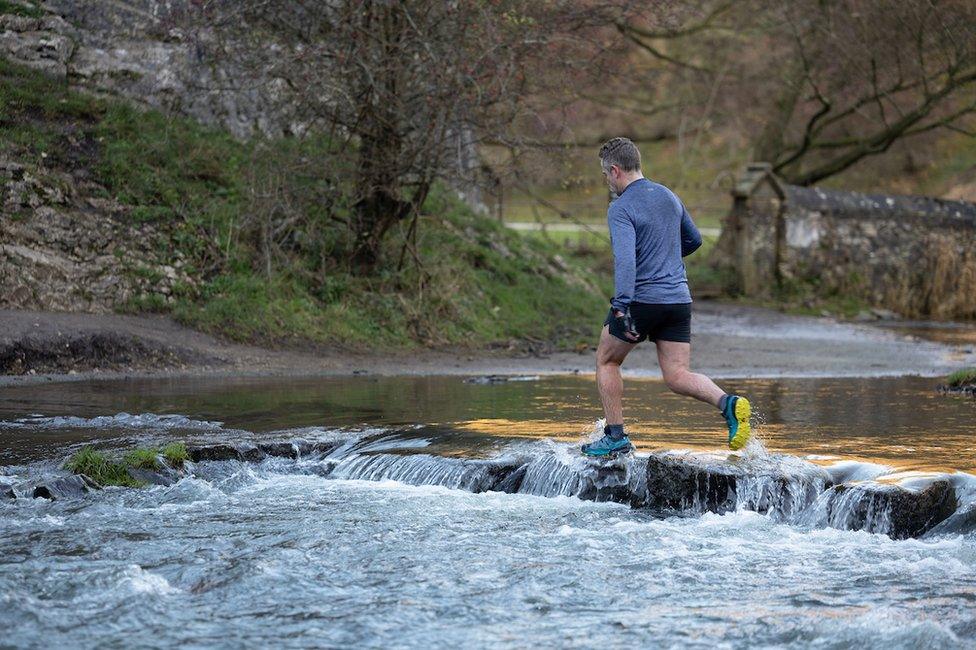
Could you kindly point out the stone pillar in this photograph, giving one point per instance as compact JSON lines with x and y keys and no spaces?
{"x":753,"y":233}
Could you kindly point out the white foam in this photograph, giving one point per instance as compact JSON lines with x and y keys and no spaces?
{"x":117,"y":421}
{"x":143,"y":582}
{"x":854,"y":470}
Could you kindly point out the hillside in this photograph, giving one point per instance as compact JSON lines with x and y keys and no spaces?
{"x":111,"y":208}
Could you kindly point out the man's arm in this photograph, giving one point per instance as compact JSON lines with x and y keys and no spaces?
{"x":624,"y":241}
{"x":690,"y":237}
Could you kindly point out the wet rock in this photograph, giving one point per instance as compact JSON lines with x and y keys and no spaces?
{"x":968,"y":390}
{"x":296,"y":449}
{"x":284,"y":449}
{"x":590,"y":479}
{"x":961,"y":522}
{"x":511,"y":482}
{"x":320,"y":448}
{"x":164,"y":476}
{"x":254,"y":453}
{"x":781,"y":486}
{"x":66,"y":487}
{"x":674,"y":482}
{"x":498,"y":379}
{"x":885,"y":508}
{"x":219,"y":451}
{"x":502,"y":476}
{"x":7,"y":491}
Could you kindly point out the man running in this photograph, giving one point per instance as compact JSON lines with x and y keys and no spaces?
{"x":650,"y":231}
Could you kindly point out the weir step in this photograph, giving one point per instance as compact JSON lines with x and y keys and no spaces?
{"x":785,"y":488}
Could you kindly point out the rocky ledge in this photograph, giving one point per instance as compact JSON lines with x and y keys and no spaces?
{"x":785,"y":488}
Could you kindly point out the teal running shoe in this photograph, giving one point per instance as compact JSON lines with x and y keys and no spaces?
{"x":607,"y":446}
{"x":737,"y":413}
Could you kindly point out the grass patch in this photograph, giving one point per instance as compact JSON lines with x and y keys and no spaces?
{"x":142,"y":459}
{"x":175,"y":454}
{"x":30,"y":10}
{"x":101,"y":469}
{"x":960,"y":378}
{"x":108,"y":471}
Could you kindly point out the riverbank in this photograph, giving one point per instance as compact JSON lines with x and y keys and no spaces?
{"x":730,"y":340}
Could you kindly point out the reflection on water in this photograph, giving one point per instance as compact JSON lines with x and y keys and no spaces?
{"x":895,"y":421}
{"x":963,"y":334}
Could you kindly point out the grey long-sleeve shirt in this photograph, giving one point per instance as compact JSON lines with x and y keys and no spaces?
{"x":651,"y":231}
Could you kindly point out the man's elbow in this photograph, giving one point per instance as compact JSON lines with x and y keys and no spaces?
{"x":689,"y":246}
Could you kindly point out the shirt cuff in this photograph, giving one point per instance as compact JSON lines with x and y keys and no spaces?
{"x":622,"y":306}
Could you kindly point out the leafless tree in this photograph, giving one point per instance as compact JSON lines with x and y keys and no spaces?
{"x":815,"y":85}
{"x":402,"y":89}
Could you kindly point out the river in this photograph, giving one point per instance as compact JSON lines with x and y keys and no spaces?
{"x":276,"y":553}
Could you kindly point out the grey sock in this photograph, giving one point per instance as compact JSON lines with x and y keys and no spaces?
{"x":723,"y":401}
{"x":615,"y":431}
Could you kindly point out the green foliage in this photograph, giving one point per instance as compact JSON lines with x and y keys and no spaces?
{"x":175,"y":454}
{"x":965,"y":377}
{"x":142,"y":459}
{"x":472,"y":281}
{"x":101,"y":469}
{"x":30,"y":10}
{"x":166,"y":167}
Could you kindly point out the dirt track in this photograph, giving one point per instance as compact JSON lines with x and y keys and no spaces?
{"x":728,"y":341}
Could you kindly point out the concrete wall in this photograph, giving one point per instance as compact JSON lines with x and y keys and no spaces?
{"x":909,"y":254}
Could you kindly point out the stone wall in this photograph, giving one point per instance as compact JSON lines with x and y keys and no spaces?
{"x":909,"y":254}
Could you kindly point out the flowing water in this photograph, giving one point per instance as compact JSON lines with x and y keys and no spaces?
{"x":390,"y":539}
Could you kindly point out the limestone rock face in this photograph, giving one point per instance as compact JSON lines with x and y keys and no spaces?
{"x":134,"y":49}
{"x":46,"y":43}
{"x":63,"y":250}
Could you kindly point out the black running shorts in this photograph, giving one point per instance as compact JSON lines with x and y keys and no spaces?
{"x":655,"y":323}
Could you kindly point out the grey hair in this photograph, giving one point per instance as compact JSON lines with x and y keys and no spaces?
{"x":621,"y":152}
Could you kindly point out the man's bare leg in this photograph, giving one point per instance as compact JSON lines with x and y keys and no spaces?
{"x":610,"y":353}
{"x":675,"y":360}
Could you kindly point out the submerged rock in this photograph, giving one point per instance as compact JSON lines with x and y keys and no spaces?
{"x":253,"y":453}
{"x":242,"y":452}
{"x":425,"y":469}
{"x":283,"y":449}
{"x":65,"y":487}
{"x":701,"y":482}
{"x":164,"y":476}
{"x":591,"y":479}
{"x":961,"y":522}
{"x":511,"y":483}
{"x":7,"y":491}
{"x":884,"y":508}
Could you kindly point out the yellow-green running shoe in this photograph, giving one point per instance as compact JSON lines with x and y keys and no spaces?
{"x":737,"y":411}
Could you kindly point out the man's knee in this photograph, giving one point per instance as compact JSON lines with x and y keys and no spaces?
{"x":676,"y":380}
{"x":605,"y":358}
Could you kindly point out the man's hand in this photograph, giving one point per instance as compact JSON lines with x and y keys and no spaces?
{"x":627,"y":324}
